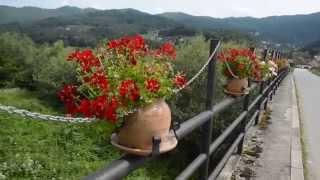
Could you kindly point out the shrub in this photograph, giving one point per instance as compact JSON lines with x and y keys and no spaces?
{"x":50,"y":71}
{"x":17,"y":52}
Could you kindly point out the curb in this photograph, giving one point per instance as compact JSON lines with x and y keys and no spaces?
{"x":297,"y":171}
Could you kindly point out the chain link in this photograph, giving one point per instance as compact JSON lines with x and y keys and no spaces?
{"x":200,"y":71}
{"x":35,"y":115}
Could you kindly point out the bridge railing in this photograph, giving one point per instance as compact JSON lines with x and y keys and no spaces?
{"x":249,"y":116}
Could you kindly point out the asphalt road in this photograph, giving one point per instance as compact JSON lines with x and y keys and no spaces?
{"x":308,"y":90}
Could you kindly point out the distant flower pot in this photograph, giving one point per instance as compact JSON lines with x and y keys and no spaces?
{"x":136,"y":135}
{"x":237,"y":87}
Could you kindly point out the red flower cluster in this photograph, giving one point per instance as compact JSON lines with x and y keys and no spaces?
{"x":85,"y":58}
{"x":67,"y":96}
{"x":85,"y":108}
{"x":132,"y":43}
{"x":241,"y":62}
{"x":167,"y":49}
{"x":180,"y":80}
{"x":233,"y":54}
{"x":99,"y":80}
{"x":99,"y":107}
{"x":152,"y":85}
{"x":131,"y":46}
{"x":129,"y":89}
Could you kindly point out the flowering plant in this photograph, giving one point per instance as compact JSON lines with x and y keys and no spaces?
{"x":120,"y":77}
{"x":265,"y":70}
{"x":240,"y":63}
{"x":273,"y":67}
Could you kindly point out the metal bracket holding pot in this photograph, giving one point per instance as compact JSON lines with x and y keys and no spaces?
{"x":156,"y":140}
{"x":175,"y":127}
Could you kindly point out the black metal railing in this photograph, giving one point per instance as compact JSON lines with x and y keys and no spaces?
{"x":249,"y":116}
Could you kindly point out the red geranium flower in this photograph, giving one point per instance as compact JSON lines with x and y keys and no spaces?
{"x":129,"y":89}
{"x":180,"y":80}
{"x":152,"y":85}
{"x":130,"y":46}
{"x":99,"y":79}
{"x":167,"y":49}
{"x":134,"y":44}
{"x":85,"y":108}
{"x":85,"y":58}
{"x":98,"y":105}
{"x":67,"y":96}
{"x":67,"y":93}
{"x":110,"y":111}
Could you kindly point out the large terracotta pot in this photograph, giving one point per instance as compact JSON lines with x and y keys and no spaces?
{"x":140,"y":127}
{"x":237,"y":87}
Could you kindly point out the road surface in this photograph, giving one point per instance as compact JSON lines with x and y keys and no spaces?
{"x":308,"y":90}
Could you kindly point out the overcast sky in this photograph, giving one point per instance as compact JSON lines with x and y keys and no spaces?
{"x":214,"y":8}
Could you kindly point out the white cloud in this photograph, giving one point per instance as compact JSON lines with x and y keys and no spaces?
{"x":243,"y":11}
{"x":65,"y":3}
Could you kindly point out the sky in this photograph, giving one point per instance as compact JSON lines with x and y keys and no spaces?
{"x":213,"y":8}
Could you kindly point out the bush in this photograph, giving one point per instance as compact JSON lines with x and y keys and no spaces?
{"x":17,"y":52}
{"x":50,"y":70}
{"x":35,"y":67}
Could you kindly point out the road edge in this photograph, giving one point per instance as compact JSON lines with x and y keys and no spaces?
{"x":297,"y":167}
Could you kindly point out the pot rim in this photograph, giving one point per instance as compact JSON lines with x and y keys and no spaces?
{"x":168,"y":144}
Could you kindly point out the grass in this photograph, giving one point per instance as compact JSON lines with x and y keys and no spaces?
{"x":46,"y":150}
{"x":35,"y":149}
{"x":315,"y":71}
{"x":29,"y":100}
{"x":304,"y":145}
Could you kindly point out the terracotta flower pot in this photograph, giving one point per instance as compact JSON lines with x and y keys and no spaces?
{"x":140,"y":127}
{"x":237,"y":87}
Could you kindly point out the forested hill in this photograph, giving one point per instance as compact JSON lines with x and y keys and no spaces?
{"x":313,"y":48}
{"x":298,"y":29}
{"x":87,"y":28}
{"x":28,"y":14}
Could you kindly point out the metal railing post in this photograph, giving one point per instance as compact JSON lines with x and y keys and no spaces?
{"x":243,"y":123}
{"x":245,"y":108}
{"x":256,"y":121}
{"x":206,"y":129}
{"x":264,"y":55}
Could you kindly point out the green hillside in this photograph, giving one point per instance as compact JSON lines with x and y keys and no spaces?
{"x":84,"y":27}
{"x":313,"y":48}
{"x":87,"y":29}
{"x":298,"y":29}
{"x":28,"y":14}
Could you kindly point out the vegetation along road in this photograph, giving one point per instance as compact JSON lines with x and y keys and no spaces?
{"x":308,"y":86}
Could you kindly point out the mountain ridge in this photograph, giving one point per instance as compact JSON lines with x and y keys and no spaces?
{"x":298,"y":29}
{"x":94,"y":23}
{"x":27,"y":14}
{"x":83,"y":29}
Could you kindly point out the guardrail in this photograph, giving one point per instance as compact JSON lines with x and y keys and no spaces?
{"x":120,"y":168}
